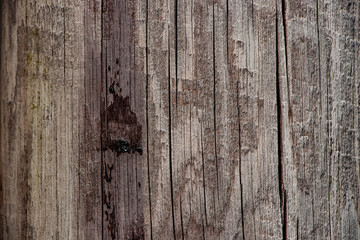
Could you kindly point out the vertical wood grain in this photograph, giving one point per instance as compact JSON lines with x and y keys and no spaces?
{"x":159,"y":119}
{"x":122,"y":122}
{"x":179,"y":119}
{"x":252,"y":60}
{"x":51,"y":142}
{"x":90,"y":211}
{"x":318,"y":51}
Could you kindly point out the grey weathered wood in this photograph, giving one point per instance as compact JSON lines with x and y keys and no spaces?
{"x":90,"y":212}
{"x":320,"y":115}
{"x":50,"y":125}
{"x":123,"y":105}
{"x":180,"y":119}
{"x":158,"y":119}
{"x":193,"y":130}
{"x":252,"y":63}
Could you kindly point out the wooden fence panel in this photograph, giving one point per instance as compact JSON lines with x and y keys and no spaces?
{"x":180,"y":119}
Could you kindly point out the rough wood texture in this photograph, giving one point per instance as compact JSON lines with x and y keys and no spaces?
{"x":318,"y":45}
{"x":122,"y":122}
{"x":50,"y":120}
{"x":180,"y":119}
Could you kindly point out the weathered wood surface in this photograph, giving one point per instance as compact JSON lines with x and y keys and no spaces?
{"x":180,"y":119}
{"x":50,"y":124}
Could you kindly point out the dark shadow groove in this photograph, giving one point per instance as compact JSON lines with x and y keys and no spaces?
{"x":282,"y":192}
{"x":170,"y":142}
{"x":181,"y":219}
{"x":147,"y":111}
{"x":227,"y":30}
{"x":101,"y":121}
{"x":176,"y":51}
{"x":214,"y":75}
{"x":203,"y":168}
{"x":240,"y":181}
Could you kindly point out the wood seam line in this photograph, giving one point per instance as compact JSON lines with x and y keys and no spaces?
{"x":147,"y":111}
{"x":101,"y":120}
{"x":170,"y":142}
{"x":282,"y":192}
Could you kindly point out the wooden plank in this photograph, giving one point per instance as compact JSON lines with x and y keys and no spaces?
{"x":140,"y":79}
{"x":32,"y":110}
{"x":252,"y":58}
{"x":90,"y":198}
{"x":306,"y":192}
{"x":195,"y":163}
{"x":188,"y":210}
{"x":204,"y":75}
{"x":342,"y":44}
{"x":191,"y":87}
{"x":158,"y":118}
{"x":318,"y":67}
{"x":45,"y":103}
{"x":122,"y":123}
{"x":14,"y":218}
{"x":227,"y":130}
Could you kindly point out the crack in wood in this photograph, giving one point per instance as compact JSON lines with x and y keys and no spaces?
{"x":282,"y":191}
